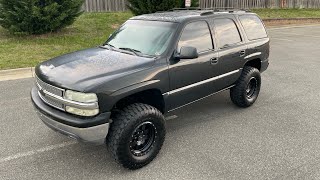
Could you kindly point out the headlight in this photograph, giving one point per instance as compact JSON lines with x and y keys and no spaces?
{"x":82,"y":112}
{"x":81,"y":97}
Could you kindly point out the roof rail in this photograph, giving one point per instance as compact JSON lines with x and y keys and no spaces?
{"x":207,"y":13}
{"x":198,"y":8}
{"x":181,"y":9}
{"x":208,"y":10}
{"x":233,"y":9}
{"x":212,"y":8}
{"x":224,"y":9}
{"x":185,"y":9}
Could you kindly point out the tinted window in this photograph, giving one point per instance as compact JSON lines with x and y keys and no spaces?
{"x":196,"y":35}
{"x":227,"y":32}
{"x":253,"y":27}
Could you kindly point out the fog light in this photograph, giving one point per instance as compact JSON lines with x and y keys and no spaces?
{"x":82,"y":112}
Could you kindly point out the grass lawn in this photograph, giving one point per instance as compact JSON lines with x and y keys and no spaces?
{"x":91,"y":29}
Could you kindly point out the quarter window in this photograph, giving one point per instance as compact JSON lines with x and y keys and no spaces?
{"x":253,"y":27}
{"x":196,"y":34}
{"x":227,"y":32}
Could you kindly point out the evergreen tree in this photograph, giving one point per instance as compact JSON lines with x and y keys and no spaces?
{"x":38,"y":16}
{"x":150,"y":6}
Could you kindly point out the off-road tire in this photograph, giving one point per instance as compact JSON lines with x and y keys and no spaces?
{"x":121,"y":133}
{"x":239,"y":93}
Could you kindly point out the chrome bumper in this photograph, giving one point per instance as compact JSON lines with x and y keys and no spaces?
{"x":95,"y":134}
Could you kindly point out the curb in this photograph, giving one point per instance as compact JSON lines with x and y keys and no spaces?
{"x":273,"y":22}
{"x":14,"y":74}
{"x":289,"y":19}
{"x":291,"y":26}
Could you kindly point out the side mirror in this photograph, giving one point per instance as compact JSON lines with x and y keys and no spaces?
{"x":187,"y":52}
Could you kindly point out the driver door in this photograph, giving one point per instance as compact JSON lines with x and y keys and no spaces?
{"x":191,"y":79}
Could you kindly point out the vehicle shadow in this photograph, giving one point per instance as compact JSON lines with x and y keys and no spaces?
{"x":208,"y":109}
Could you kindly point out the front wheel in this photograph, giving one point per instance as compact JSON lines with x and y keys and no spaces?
{"x":137,"y":135}
{"x":247,"y":88}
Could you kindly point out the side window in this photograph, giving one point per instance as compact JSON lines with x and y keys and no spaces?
{"x":227,"y":32}
{"x":253,"y":27}
{"x":196,"y":34}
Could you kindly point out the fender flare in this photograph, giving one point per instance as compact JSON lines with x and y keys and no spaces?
{"x":116,"y":96}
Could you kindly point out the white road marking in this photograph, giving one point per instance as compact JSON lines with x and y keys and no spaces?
{"x":281,"y":39}
{"x":35,"y":152}
{"x":171,"y":117}
{"x":50,"y":148}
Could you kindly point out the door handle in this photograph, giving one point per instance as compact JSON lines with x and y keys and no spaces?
{"x":242,"y":53}
{"x":213,"y":61}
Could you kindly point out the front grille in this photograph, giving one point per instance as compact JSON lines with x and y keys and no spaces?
{"x":52,"y":102}
{"x":49,"y":88}
{"x":45,"y":87}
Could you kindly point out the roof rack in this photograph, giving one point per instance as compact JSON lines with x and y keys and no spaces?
{"x":223,"y":10}
{"x":182,"y":9}
{"x":213,"y":8}
{"x":198,"y":8}
{"x":209,"y":11}
{"x":185,"y":9}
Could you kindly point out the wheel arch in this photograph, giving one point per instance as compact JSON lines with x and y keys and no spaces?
{"x":256,"y":63}
{"x":146,"y":92}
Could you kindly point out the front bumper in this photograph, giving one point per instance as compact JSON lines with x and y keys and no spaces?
{"x":88,"y":129}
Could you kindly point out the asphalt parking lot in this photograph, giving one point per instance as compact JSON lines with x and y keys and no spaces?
{"x":277,"y":138}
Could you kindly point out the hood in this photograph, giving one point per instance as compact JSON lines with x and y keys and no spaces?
{"x":91,"y":67}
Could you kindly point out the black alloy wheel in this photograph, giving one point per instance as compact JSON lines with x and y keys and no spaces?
{"x":252,"y":87}
{"x":143,"y":138}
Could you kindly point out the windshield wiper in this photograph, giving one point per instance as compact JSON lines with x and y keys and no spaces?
{"x":109,"y":46}
{"x":131,"y":50}
{"x":134,"y":51}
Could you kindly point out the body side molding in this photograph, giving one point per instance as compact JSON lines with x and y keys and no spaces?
{"x":202,"y":82}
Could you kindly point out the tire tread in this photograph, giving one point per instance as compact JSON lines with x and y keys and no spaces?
{"x":123,"y":120}
{"x":236,"y":93}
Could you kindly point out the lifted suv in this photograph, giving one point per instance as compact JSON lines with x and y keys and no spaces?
{"x":153,"y":64}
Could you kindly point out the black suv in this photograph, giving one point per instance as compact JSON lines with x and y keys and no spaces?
{"x":118,"y":92}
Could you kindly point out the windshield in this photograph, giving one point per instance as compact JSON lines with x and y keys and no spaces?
{"x":146,"y":37}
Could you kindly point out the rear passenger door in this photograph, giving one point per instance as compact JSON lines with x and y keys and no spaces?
{"x":258,"y":41}
{"x":231,"y":48}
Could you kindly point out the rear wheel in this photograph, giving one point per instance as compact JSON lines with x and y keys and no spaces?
{"x":137,"y":135}
{"x":247,"y":88}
